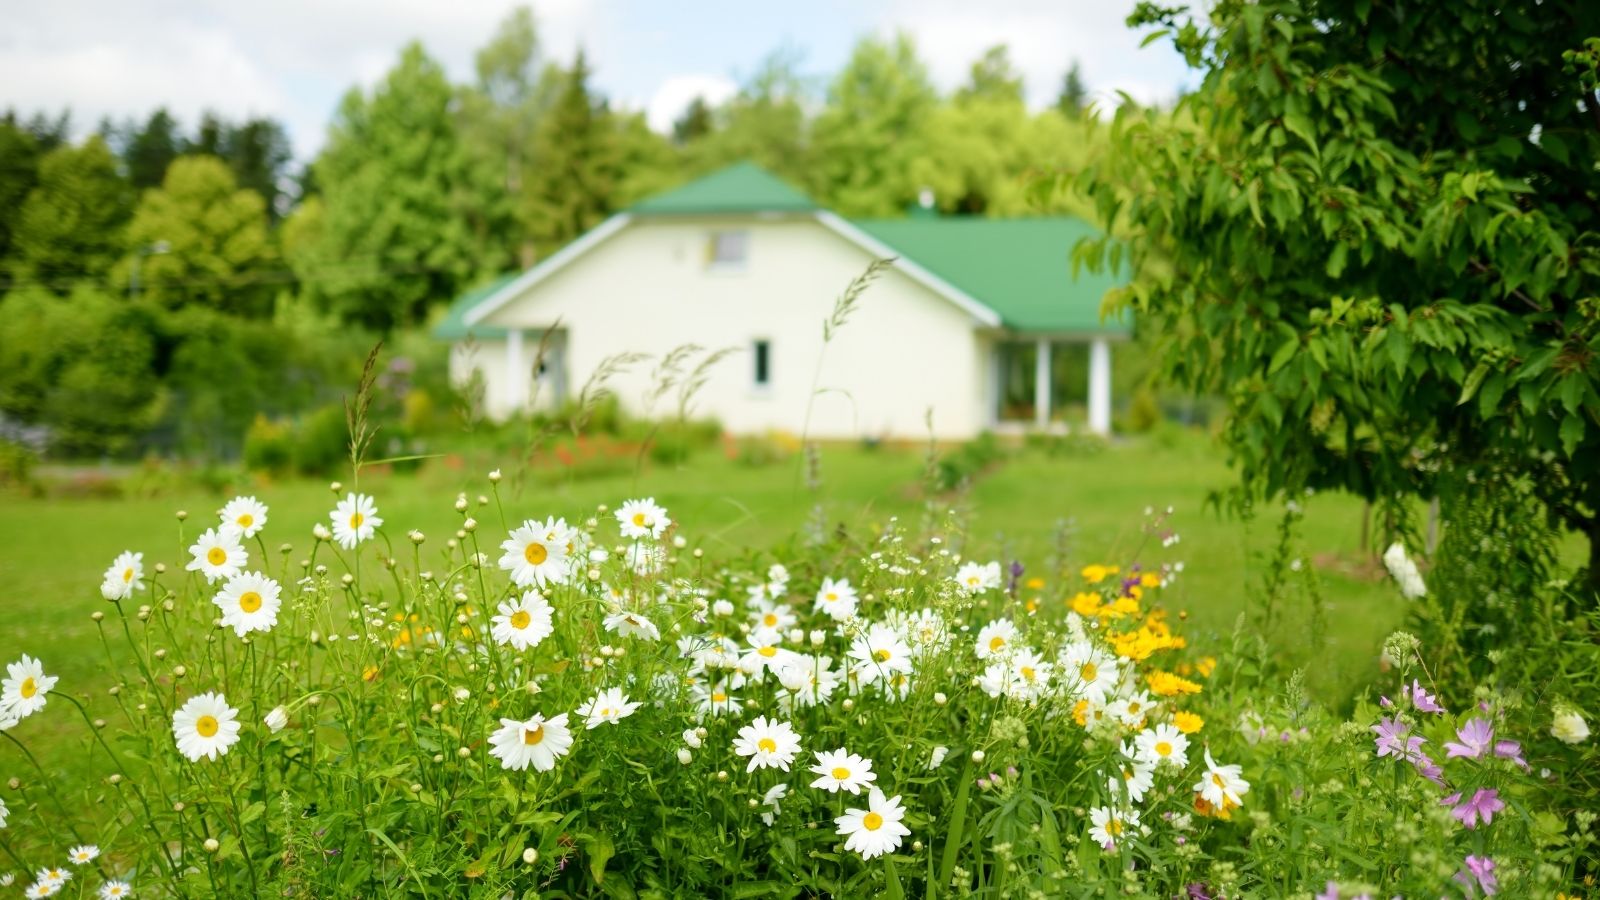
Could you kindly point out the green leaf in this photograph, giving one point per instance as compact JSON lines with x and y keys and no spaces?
{"x":891,"y":881}
{"x":1336,"y":260}
{"x":952,"y":839}
{"x":600,"y":850}
{"x":1571,"y":433}
{"x":1283,"y":355}
{"x":1474,"y":381}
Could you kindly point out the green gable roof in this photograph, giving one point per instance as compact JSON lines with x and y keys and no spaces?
{"x":1020,"y":268}
{"x":453,"y":327}
{"x":741,"y":188}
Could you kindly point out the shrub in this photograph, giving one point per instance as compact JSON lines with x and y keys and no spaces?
{"x":269,"y":446}
{"x":965,"y":463}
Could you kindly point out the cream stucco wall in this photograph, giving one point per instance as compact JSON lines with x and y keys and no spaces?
{"x":648,"y":288}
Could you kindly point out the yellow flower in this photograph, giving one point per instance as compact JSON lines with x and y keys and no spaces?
{"x":1205,"y":666}
{"x":1121,"y":607}
{"x":1080,"y":713}
{"x":1086,"y":604}
{"x":1150,"y":580}
{"x":370,"y":673}
{"x":1166,"y":684}
{"x":1188,"y":722}
{"x":1097,"y":573}
{"x":1035,"y":583}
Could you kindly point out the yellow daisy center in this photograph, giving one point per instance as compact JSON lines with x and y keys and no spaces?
{"x":127,"y":574}
{"x":770,"y":619}
{"x":1114,"y":826}
{"x":883,"y":655}
{"x":639,"y":519}
{"x":1088,"y":672}
{"x":1217,"y":780}
{"x":532,"y":736}
{"x":973,"y":581}
{"x":831,"y":597}
{"x":767,"y":745}
{"x":1163,"y":748}
{"x":249,"y":601}
{"x":28,"y":688}
{"x":206,"y":726}
{"x":520,"y":619}
{"x":996,"y":642}
{"x":535,"y":553}
{"x":246,"y":520}
{"x":840,"y":773}
{"x":768,"y":652}
{"x":872,"y":821}
{"x":216,"y":556}
{"x":607,"y":712}
{"x":1027,"y":672}
{"x":719,"y":697}
{"x":356,"y":519}
{"x":1133,"y":707}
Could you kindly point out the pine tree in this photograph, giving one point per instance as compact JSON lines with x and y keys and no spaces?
{"x":576,"y":169}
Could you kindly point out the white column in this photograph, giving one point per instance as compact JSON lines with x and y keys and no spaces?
{"x":1041,"y":385}
{"x":1100,"y":386}
{"x":516,"y":373}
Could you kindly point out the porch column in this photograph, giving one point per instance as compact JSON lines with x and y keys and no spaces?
{"x":1041,"y":385}
{"x":1100,"y":386}
{"x":516,"y":373}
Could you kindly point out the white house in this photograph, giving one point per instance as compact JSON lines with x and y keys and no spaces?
{"x":978,"y":320}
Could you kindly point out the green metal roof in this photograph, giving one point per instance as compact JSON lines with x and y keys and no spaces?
{"x":453,"y":327}
{"x":1020,"y":268}
{"x":740,"y":188}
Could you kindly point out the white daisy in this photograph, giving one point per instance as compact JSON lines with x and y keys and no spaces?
{"x":839,"y":770}
{"x":536,"y":552}
{"x":1221,"y":786}
{"x":536,"y":742}
{"x":523,"y":622}
{"x":53,"y":876}
{"x":837,"y":599}
{"x":218,"y":555}
{"x":995,"y":638}
{"x":882,"y":653}
{"x":205,"y":726}
{"x":1109,"y":825}
{"x":808,"y":680}
{"x":42,"y":889}
{"x":632,"y":624}
{"x":642,"y":518}
{"x":608,"y":707}
{"x":645,"y":559}
{"x":772,"y":615}
{"x":1030,"y":674}
{"x":875,"y":830}
{"x":765,"y":654}
{"x":926,"y":631}
{"x":975,"y":578}
{"x":769,"y":801}
{"x":3,"y":813}
{"x":768,"y":744}
{"x":1133,"y":778}
{"x":249,"y":602}
{"x":716,"y":700}
{"x":1132,"y":711}
{"x":277,"y":719}
{"x":245,"y":514}
{"x":125,"y":576}
{"x":115,"y":890}
{"x":83,"y":854}
{"x":1163,"y":744}
{"x":1088,"y":672}
{"x":355,"y":519}
{"x":22,"y":692}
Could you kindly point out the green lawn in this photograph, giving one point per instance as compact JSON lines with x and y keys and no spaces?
{"x":53,"y":551}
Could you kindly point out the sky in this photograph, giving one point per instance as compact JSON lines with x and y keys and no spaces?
{"x":294,"y":59}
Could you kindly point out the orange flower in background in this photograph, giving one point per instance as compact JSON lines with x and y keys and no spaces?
{"x":1187,"y":722}
{"x":1097,"y":573}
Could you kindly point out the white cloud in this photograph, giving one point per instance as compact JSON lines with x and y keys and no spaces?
{"x":676,"y":93}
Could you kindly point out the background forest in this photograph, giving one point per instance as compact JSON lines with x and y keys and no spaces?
{"x":164,"y":283}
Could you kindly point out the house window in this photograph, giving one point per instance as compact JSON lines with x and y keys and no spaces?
{"x":761,"y":350}
{"x":728,"y":249}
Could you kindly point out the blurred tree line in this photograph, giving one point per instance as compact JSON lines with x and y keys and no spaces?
{"x":160,"y":288}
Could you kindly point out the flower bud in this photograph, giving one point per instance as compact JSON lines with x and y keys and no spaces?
{"x":464,"y":752}
{"x":531,"y":854}
{"x":818,"y":637}
{"x":470,"y":525}
{"x":494,"y":478}
{"x":722,"y":775}
{"x":461,"y":504}
{"x":939,"y":699}
{"x":684,"y":756}
{"x":277,"y":719}
{"x":211,"y":845}
{"x":182,"y":514}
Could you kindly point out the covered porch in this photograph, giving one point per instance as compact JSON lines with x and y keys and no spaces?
{"x":1051,"y":382}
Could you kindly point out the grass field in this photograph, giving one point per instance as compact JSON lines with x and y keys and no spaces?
{"x":53,"y":551}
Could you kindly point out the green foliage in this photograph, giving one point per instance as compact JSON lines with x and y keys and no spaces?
{"x":966,"y":463}
{"x":1373,"y":230}
{"x":215,"y":234}
{"x":573,"y":186}
{"x":70,"y":226}
{"x":398,"y":228}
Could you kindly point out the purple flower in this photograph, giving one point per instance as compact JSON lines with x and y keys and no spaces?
{"x":1386,"y":703}
{"x":1510,"y":750}
{"x":1428,"y":769}
{"x":1422,"y":700}
{"x":1476,"y":736}
{"x":1484,"y":803}
{"x":1331,"y":892}
{"x":1478,"y":871}
{"x":1198,"y":891}
{"x":1392,"y":740}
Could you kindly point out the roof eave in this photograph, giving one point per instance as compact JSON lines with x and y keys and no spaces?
{"x":546,"y":268}
{"x":980,"y":313}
